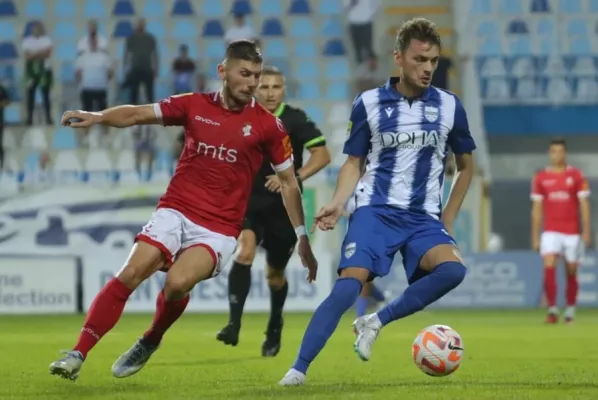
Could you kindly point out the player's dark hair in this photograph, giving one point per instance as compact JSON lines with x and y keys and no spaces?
{"x":271,"y":71}
{"x":245,"y":50}
{"x":558,"y":142}
{"x":420,"y":29}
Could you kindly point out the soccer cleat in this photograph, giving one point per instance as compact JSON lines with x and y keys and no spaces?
{"x":568,"y":320}
{"x":367,"y":329}
{"x":271,"y":345}
{"x":551,"y":318}
{"x":293,"y":378}
{"x":229,"y":335}
{"x":133,"y":360}
{"x":69,"y":366}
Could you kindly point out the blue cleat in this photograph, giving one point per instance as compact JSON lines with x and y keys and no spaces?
{"x":130,"y":362}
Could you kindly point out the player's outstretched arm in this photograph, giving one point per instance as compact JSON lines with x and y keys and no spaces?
{"x":461,"y":182}
{"x":116,"y":117}
{"x":348,"y":177}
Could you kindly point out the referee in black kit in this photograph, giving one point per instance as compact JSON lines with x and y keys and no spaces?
{"x":266,"y":220}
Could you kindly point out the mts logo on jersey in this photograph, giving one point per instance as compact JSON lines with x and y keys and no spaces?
{"x":217,"y":152}
{"x":409,"y":140}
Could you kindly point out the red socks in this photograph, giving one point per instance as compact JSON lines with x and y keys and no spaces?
{"x":550,"y":285}
{"x":572,"y":289}
{"x":167,"y":312}
{"x":103,"y":314}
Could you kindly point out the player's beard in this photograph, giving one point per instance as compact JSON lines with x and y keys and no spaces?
{"x":235,"y":101}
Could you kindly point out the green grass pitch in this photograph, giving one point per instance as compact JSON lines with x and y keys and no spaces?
{"x":508,"y":355}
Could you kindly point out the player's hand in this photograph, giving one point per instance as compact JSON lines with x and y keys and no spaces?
{"x":273,"y":183}
{"x":307,"y":258}
{"x":80,"y":119}
{"x":328,"y":216}
{"x":587,"y":239}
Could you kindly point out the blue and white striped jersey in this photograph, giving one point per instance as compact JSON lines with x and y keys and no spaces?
{"x":405,"y":143}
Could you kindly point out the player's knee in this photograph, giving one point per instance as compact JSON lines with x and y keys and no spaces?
{"x":571,"y":268}
{"x":246,"y":254}
{"x":275,"y":278}
{"x":177,"y":286}
{"x":144,"y":261}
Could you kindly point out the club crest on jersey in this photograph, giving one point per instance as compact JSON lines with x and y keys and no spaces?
{"x":247,"y":130}
{"x":350,"y":249}
{"x":431,"y":113}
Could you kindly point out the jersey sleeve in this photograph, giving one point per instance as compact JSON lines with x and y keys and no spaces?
{"x":278,"y":145}
{"x":358,"y":142}
{"x":173,"y":110}
{"x":537,"y":193}
{"x":583,"y":187}
{"x":459,"y":138}
{"x":310,"y":134}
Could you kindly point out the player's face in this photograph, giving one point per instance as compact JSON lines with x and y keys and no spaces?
{"x":240,"y":79}
{"x":270,"y":91}
{"x":557,"y":154}
{"x":418,"y":63}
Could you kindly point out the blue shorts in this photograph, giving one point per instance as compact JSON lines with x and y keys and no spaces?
{"x":376,"y":233}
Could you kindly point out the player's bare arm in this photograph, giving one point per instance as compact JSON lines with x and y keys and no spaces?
{"x":586,"y":218}
{"x":117,"y":117}
{"x":537,"y":210}
{"x":461,"y":182}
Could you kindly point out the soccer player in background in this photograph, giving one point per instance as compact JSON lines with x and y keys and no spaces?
{"x":402,"y":131}
{"x":559,"y":199}
{"x":198,"y":220}
{"x":266,"y":221}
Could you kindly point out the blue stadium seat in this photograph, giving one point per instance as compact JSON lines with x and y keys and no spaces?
{"x":213,"y":28}
{"x":154,"y":9}
{"x":314,"y":113}
{"x":488,"y":28}
{"x":511,"y":6}
{"x":211,"y":68}
{"x":95,"y":9}
{"x":35,"y":9}
{"x":7,"y":8}
{"x":548,"y":46}
{"x":164,"y":70}
{"x":306,"y":70}
{"x":12,"y":114}
{"x":546,"y":26}
{"x":578,"y":27}
{"x":334,"y":47}
{"x":122,"y":29}
{"x":301,"y":27}
{"x":241,"y":7}
{"x":332,"y":28}
{"x":32,"y":161}
{"x":67,"y":72}
{"x":518,"y":27}
{"x":8,"y":30}
{"x":305,"y":48}
{"x":64,"y":139}
{"x":215,"y":48}
{"x":481,"y":7}
{"x":8,"y":51}
{"x":337,"y":92}
{"x":330,"y":7}
{"x":123,"y":8}
{"x":185,"y":30}
{"x":7,"y":72}
{"x":163,"y":89}
{"x":299,"y":7}
{"x":182,"y":8}
{"x":593,"y":6}
{"x":164,"y":161}
{"x":540,"y":6}
{"x":309,"y":91}
{"x":67,"y":51}
{"x":337,"y":69}
{"x":521,"y":46}
{"x":65,"y":9}
{"x":491,"y":47}
{"x":570,"y":6}
{"x":212,"y":9}
{"x":156,"y":27}
{"x":275,"y":48}
{"x":65,"y":30}
{"x":580,"y":47}
{"x":270,"y":7}
{"x":272,"y":27}
{"x":282,"y":64}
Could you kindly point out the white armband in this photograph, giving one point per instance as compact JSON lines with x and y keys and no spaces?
{"x":300,"y":231}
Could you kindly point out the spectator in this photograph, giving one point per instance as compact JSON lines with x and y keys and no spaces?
{"x":37,"y":49}
{"x":141,"y":62}
{"x":240,"y":30}
{"x":144,"y":137}
{"x":360,"y":16}
{"x":367,"y":75}
{"x":101,"y":43}
{"x":93,"y":72}
{"x":4,"y":100}
{"x":183,"y":71}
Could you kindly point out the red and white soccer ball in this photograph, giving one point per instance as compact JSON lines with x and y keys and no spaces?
{"x":438,"y":350}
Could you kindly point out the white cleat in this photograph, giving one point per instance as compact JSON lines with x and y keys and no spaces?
{"x":69,"y":366}
{"x":293,"y":378}
{"x":130,"y":362}
{"x":367,"y":329}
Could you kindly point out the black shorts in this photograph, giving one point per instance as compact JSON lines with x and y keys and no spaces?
{"x":94,"y":100}
{"x":274,"y":232}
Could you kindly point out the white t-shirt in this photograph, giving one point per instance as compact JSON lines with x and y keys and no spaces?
{"x":35,"y":44}
{"x":239,"y":33}
{"x":83,"y":44}
{"x":363,"y":12}
{"x":94,"y":67}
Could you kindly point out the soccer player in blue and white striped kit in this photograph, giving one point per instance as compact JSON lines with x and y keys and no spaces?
{"x":402,"y":131}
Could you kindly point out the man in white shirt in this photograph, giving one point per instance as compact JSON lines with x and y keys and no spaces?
{"x":361,"y":16}
{"x":240,"y":30}
{"x":92,"y":33}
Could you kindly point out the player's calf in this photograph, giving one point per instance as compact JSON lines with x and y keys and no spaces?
{"x":279,"y":289}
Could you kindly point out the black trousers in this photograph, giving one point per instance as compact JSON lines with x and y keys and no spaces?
{"x":94,"y":100}
{"x":44,"y":82}
{"x":362,"y":38}
{"x":137,"y":78}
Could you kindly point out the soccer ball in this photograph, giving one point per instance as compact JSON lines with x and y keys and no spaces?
{"x":437,"y":350}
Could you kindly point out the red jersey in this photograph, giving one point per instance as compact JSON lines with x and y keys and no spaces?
{"x":560,"y":193}
{"x":223,"y":152}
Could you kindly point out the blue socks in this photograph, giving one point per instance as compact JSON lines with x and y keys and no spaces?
{"x":424,"y":291}
{"x":325,"y":320}
{"x":361,"y":305}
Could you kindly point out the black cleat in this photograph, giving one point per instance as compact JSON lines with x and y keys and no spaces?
{"x":271,"y":345}
{"x":229,"y":335}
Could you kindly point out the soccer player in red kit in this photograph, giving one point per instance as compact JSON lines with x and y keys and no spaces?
{"x":560,"y":198}
{"x":194,"y":230}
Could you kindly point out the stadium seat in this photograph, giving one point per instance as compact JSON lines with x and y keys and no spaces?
{"x":301,"y":27}
{"x":511,"y":6}
{"x":98,"y":167}
{"x":65,"y":8}
{"x":547,"y":46}
{"x":554,"y":66}
{"x":337,"y":69}
{"x":540,"y":6}
{"x":330,"y":7}
{"x":490,"y":47}
{"x":570,"y":6}
{"x":546,"y":26}
{"x":309,"y":91}
{"x":306,"y":70}
{"x":578,"y":27}
{"x":299,"y":7}
{"x":32,"y":161}
{"x":593,"y":6}
{"x":212,"y":9}
{"x":559,"y":89}
{"x":12,"y":114}
{"x":214,"y":48}
{"x":241,"y":7}
{"x":123,"y":8}
{"x":8,"y":30}
{"x":163,"y":88}
{"x":8,"y":51}
{"x":272,"y":27}
{"x":95,"y":9}
{"x":125,"y":168}
{"x":64,"y":139}
{"x":522,"y":67}
{"x":67,"y":167}
{"x":275,"y":48}
{"x":270,"y":7}
{"x":520,"y":46}
{"x":587,"y":89}
{"x":282,"y":64}
{"x":332,"y":28}
{"x":10,"y":142}
{"x":156,"y":27}
{"x":481,"y":7}
{"x":65,"y":30}
{"x":35,"y":138}
{"x":334,"y":47}
{"x":580,"y":47}
{"x":584,"y":66}
{"x":7,"y":72}
{"x":7,"y":8}
{"x":517,"y":27}
{"x":488,"y":28}
{"x":492,"y":67}
{"x":315,"y":113}
{"x":337,"y":91}
{"x":211,"y":68}
{"x":122,"y":29}
{"x":182,"y":8}
{"x":66,"y":51}
{"x":163,"y":165}
{"x":213,"y":28}
{"x":497,"y":88}
{"x":34,"y":9}
{"x":154,"y":9}
{"x":305,"y":49}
